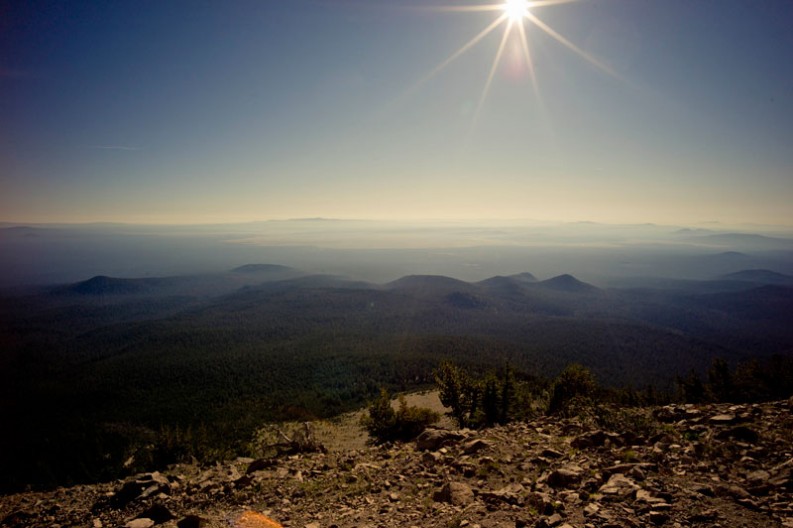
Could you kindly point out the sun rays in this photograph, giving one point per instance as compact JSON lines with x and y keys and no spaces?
{"x":516,"y":17}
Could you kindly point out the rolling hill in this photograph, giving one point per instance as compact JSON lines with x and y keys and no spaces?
{"x":760,"y":276}
{"x":87,"y":360}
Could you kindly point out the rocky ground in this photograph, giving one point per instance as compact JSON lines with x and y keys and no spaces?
{"x":724,"y":466}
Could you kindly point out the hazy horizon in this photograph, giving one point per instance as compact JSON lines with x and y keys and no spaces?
{"x":381,"y":251}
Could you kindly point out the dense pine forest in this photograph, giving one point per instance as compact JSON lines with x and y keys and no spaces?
{"x":109,"y":376}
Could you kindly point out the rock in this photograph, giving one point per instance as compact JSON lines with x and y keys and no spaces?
{"x":732,"y":490}
{"x":757,"y":477}
{"x":542,"y":502}
{"x":17,"y":518}
{"x":456,"y":493}
{"x":618,"y":468}
{"x":312,"y":525}
{"x":618,"y":486}
{"x":667,"y":414}
{"x":549,"y":522}
{"x":636,"y":473}
{"x":591,"y":509}
{"x":140,"y":523}
{"x":722,"y":419}
{"x":510,"y":494}
{"x":259,"y":464}
{"x":658,"y":518}
{"x":474,"y":446}
{"x":192,"y":521}
{"x":434,"y":439}
{"x":243,"y":482}
{"x":565,"y":477}
{"x":643,"y":495}
{"x":782,"y":479}
{"x":703,"y":516}
{"x":551,"y":453}
{"x":596,"y":439}
{"x":740,"y":433}
{"x":143,"y":486}
{"x":157,"y":513}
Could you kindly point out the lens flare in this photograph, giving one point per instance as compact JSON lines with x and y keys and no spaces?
{"x":251,"y":519}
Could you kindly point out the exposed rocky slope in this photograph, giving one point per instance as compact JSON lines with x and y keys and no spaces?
{"x":702,"y":466}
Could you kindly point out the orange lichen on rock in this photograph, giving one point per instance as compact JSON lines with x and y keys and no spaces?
{"x":251,"y":519}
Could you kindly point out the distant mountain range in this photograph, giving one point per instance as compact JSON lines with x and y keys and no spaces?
{"x":192,"y":285}
{"x":760,"y":276}
{"x":709,"y":315}
{"x":741,"y":240}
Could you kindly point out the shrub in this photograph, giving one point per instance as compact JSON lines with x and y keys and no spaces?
{"x":574,"y":388}
{"x":405,"y":423}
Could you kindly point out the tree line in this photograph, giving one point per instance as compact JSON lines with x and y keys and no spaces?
{"x":499,"y":397}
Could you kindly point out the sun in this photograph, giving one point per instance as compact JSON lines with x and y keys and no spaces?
{"x":516,"y":17}
{"x":516,"y":10}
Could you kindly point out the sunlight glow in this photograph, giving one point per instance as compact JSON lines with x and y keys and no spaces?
{"x":516,"y":10}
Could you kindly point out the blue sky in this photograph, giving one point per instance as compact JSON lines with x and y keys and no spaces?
{"x":194,"y":112}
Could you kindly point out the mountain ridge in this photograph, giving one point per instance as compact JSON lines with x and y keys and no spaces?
{"x":760,"y":275}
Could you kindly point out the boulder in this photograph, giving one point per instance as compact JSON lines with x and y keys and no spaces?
{"x":456,"y":493}
{"x":619,"y":486}
{"x":434,"y":439}
{"x":430,"y":459}
{"x":542,"y":502}
{"x":565,"y":477}
{"x":192,"y":521}
{"x":157,"y":513}
{"x":259,"y":464}
{"x":551,"y":453}
{"x":722,"y":419}
{"x":510,"y":494}
{"x":140,"y":523}
{"x":141,"y":487}
{"x":658,"y":518}
{"x":591,"y":509}
{"x":596,"y":439}
{"x":758,"y":477}
{"x":740,"y":433}
{"x":476,"y":445}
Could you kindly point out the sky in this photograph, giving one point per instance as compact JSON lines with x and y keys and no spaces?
{"x":208,"y":112}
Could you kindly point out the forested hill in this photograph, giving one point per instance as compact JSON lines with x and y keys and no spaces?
{"x":94,"y":363}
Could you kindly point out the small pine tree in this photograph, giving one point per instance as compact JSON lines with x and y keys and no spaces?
{"x":692,"y":390}
{"x":508,"y":395}
{"x":491,"y":404}
{"x":575,"y":386}
{"x":456,"y":391}
{"x":477,"y":402}
{"x":721,"y":387}
{"x":381,"y":418}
